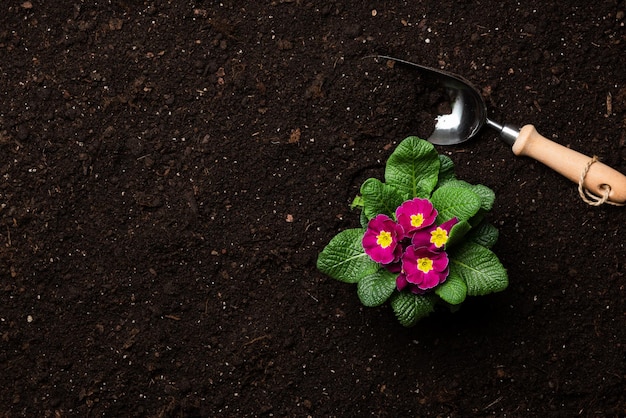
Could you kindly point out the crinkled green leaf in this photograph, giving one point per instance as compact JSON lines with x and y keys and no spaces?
{"x":454,"y":201}
{"x":363,"y":220}
{"x":446,"y":170}
{"x":357,"y":202}
{"x":479,"y":267}
{"x":410,"y":308}
{"x":380,"y":198}
{"x":487,"y":196}
{"x":458,"y":232}
{"x":344,"y":258}
{"x":413,"y":168}
{"x":453,"y":290}
{"x":484,"y":234}
{"x":375,"y":289}
{"x":477,"y":219}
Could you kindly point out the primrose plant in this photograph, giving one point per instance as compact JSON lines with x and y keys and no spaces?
{"x":423,"y":241}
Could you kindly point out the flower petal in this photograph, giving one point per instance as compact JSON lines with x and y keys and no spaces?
{"x":433,"y":279}
{"x":381,"y":239}
{"x":416,"y":214}
{"x":425,"y":268}
{"x":440,"y":263}
{"x":434,"y":237}
{"x":422,"y":238}
{"x":401,"y":282}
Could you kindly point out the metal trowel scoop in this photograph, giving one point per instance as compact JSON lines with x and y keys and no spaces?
{"x":469,"y":114}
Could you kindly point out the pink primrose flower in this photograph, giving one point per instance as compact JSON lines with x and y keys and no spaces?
{"x":416,"y":214}
{"x":435,"y":237}
{"x":424,"y":268}
{"x":402,"y":283}
{"x":396,"y":266}
{"x":381,"y":240}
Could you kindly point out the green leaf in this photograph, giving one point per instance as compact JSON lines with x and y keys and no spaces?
{"x":363,"y":220}
{"x":344,"y":258}
{"x":446,"y":170}
{"x":477,"y":219}
{"x":375,"y":289}
{"x":410,"y":308}
{"x":451,"y":201}
{"x":380,"y":198}
{"x":413,"y":168}
{"x":453,"y":290}
{"x":479,"y":267}
{"x":487,"y":196}
{"x":457,"y":233}
{"x":484,"y":234}
{"x":357,"y":202}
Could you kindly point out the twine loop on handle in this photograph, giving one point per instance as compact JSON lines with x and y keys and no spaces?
{"x":589,"y":197}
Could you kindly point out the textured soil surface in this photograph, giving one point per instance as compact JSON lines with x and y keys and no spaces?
{"x":171,"y":170}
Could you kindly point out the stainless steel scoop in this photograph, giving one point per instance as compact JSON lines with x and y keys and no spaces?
{"x":469,"y":114}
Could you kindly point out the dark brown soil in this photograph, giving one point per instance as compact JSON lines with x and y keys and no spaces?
{"x":171,"y":169}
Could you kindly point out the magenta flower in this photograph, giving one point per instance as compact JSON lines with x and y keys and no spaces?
{"x":416,"y":214}
{"x":382,"y":240}
{"x":436,"y":237}
{"x":424,"y":268}
{"x":396,"y":266}
{"x":402,"y":283}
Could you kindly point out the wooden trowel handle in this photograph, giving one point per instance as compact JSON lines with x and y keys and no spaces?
{"x":571,"y":164}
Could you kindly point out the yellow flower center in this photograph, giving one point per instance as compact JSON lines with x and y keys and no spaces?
{"x":439,"y":237}
{"x":417,"y":220}
{"x":384,"y":239}
{"x":424,"y":264}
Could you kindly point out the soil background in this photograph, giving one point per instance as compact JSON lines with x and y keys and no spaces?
{"x":171,"y":170}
